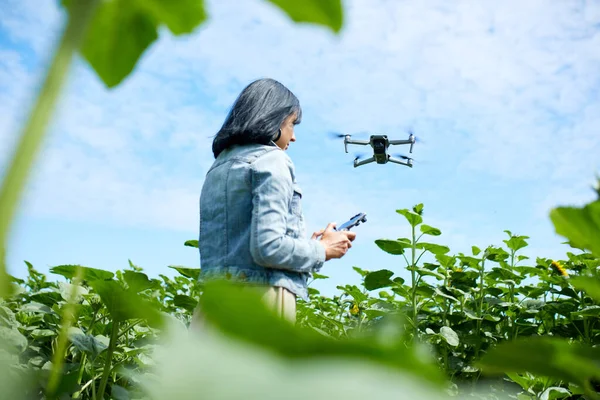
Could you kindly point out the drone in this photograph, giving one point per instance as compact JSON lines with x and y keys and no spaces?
{"x":380,"y":144}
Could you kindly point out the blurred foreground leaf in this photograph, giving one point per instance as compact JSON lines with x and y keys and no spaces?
{"x":580,"y":225}
{"x":545,"y":356}
{"x":240,"y":313}
{"x":181,"y":374}
{"x":16,"y":383}
{"x":328,"y":13}
{"x":590,"y":285}
{"x":122,"y":30}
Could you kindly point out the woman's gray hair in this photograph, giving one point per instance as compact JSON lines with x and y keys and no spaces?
{"x":256,"y":115}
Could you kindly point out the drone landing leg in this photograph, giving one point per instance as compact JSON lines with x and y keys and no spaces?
{"x":408,"y":163}
{"x":363,"y":162}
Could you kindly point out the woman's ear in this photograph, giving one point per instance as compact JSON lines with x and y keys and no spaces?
{"x":276,"y":138}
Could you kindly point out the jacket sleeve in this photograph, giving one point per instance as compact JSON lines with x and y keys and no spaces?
{"x":272,"y":191}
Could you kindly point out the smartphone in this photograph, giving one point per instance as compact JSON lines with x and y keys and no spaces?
{"x":352,"y":222}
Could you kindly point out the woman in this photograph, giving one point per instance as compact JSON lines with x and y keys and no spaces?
{"x":251,"y":223}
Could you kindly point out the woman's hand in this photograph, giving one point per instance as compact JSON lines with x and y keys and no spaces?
{"x":336,"y":243}
{"x":317,"y":234}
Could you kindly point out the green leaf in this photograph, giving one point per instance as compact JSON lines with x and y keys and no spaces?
{"x":360,"y":271}
{"x":42,"y":333}
{"x":523,"y":382}
{"x":554,"y":392}
{"x":430,"y":230}
{"x":186,"y":302}
{"x":446,"y":261}
{"x":590,"y":285}
{"x":319,"y":276}
{"x":119,"y":393}
{"x":191,"y":243}
{"x":412,"y":218}
{"x":180,"y":16}
{"x":122,"y":30}
{"x":7,"y":317}
{"x":433,"y":248}
{"x":449,"y":336}
{"x":581,"y":226}
{"x":395,"y":247}
{"x":119,"y":33}
{"x":516,"y":242}
{"x":138,"y":281}
{"x":323,"y":12}
{"x":89,"y":274}
{"x":378,"y":279}
{"x":398,"y":280}
{"x":546,"y":356}
{"x":192,"y":273}
{"x":470,"y":314}
{"x":439,"y":291}
{"x":86,"y":343}
{"x":355,"y":292}
{"x":425,"y":290}
{"x":11,"y":340}
{"x":424,"y":271}
{"x":66,"y":290}
{"x":475,"y":250}
{"x":496,"y":254}
{"x":590,"y":311}
{"x":418,"y":208}
{"x":263,"y":375}
{"x":36,"y":307}
{"x":242,"y":314}
{"x":124,"y":304}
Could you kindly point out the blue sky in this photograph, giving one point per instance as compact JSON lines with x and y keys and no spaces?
{"x":506,"y":103}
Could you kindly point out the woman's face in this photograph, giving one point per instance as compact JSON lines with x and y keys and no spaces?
{"x":287,"y":132}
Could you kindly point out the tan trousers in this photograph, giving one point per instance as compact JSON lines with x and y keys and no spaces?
{"x":281,"y":300}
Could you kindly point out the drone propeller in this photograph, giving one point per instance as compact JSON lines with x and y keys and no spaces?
{"x":358,"y":157}
{"x":402,"y":156}
{"x":336,"y":135}
{"x":405,"y":157}
{"x":339,"y":135}
{"x":417,"y":139}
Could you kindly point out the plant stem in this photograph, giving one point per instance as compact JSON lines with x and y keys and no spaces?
{"x":414,"y":284}
{"x":77,"y":394}
{"x":480,"y":308}
{"x":445,"y":322}
{"x":34,"y":130}
{"x":107,"y":364}
{"x":58,"y":358}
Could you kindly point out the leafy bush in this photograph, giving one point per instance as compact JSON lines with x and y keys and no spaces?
{"x":484,"y":324}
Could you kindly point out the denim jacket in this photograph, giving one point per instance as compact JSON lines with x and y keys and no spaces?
{"x":251,"y":222}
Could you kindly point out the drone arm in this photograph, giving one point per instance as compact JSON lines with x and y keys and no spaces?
{"x":410,"y":140}
{"x":362,"y":142}
{"x":363,"y":162}
{"x":350,"y":141}
{"x":401,"y":142}
{"x":408,"y":162}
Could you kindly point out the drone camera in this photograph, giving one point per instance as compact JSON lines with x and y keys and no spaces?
{"x":380,"y":144}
